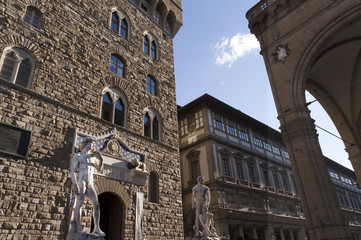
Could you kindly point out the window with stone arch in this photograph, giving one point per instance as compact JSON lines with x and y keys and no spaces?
{"x":225,"y":160}
{"x":152,"y":124}
{"x":145,"y":6}
{"x":152,"y":86}
{"x":114,"y":106}
{"x":17,"y":66}
{"x":169,"y":23}
{"x":117,"y":65}
{"x":150,"y":46}
{"x":33,"y":16}
{"x":239,"y":159}
{"x":146,"y":45}
{"x":153,"y":188}
{"x":159,"y":13}
{"x":119,"y":23}
{"x":251,"y":171}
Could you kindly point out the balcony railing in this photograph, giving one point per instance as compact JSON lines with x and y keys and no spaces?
{"x":259,"y":8}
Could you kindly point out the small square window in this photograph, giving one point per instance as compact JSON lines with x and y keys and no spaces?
{"x":33,"y":16}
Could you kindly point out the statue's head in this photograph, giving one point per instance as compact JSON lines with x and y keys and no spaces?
{"x":87,"y":143}
{"x":204,"y":209}
{"x":200,"y":179}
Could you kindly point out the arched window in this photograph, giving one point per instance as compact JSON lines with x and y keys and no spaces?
{"x":155,"y":128}
{"x":23,"y":73}
{"x":17,"y":66}
{"x":106,"y":107}
{"x":153,"y":50}
{"x":116,"y":65}
{"x":33,"y":16}
{"x":151,"y":86}
{"x":152,"y":126}
{"x":153,"y":188}
{"x":147,"y":125}
{"x":150,"y":45}
{"x":124,"y":28}
{"x":115,"y":22}
{"x":145,"y":6}
{"x":8,"y":66}
{"x":169,"y":24}
{"x":146,"y":45}
{"x":119,"y":23}
{"x":157,"y":16}
{"x":119,"y":113}
{"x":114,"y":106}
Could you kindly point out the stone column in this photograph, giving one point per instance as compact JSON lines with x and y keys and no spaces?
{"x":313,"y":182}
{"x":291,"y":235}
{"x":240,"y":230}
{"x":221,"y":227}
{"x":255,"y":233}
{"x":282,"y":234}
{"x":258,"y":174}
{"x":301,"y":233}
{"x":268,"y":232}
{"x":354,"y":155}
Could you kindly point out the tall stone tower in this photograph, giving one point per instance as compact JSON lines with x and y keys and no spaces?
{"x":71,"y":70}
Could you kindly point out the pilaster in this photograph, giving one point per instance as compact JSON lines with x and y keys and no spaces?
{"x":314,"y":186}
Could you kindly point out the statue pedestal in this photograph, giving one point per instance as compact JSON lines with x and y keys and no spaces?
{"x":84,"y":236}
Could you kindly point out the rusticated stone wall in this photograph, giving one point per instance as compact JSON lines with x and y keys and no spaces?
{"x":72,"y":49}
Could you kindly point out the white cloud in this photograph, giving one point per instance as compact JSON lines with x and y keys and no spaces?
{"x":222,"y":82}
{"x":229,"y":49}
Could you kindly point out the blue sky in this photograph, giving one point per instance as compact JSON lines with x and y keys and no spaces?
{"x":216,"y":54}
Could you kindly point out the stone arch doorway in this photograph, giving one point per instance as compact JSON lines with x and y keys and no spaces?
{"x":111,"y":216}
{"x":113,"y":199}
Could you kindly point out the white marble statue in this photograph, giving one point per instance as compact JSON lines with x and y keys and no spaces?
{"x":207,"y":222}
{"x":85,"y":161}
{"x":282,"y":53}
{"x":200,"y":199}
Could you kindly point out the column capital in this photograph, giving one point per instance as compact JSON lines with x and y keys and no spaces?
{"x":301,"y":127}
{"x":353,"y":151}
{"x":354,"y":155}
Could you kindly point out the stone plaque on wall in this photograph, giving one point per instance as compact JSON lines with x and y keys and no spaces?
{"x":14,"y":140}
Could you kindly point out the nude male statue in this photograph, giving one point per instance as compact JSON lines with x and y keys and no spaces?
{"x":85,"y":161}
{"x":200,"y":199}
{"x":207,"y":222}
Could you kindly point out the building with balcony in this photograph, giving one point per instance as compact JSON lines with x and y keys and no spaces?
{"x":247,"y":169}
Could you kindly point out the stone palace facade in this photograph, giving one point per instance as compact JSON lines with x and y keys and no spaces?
{"x":71,"y":70}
